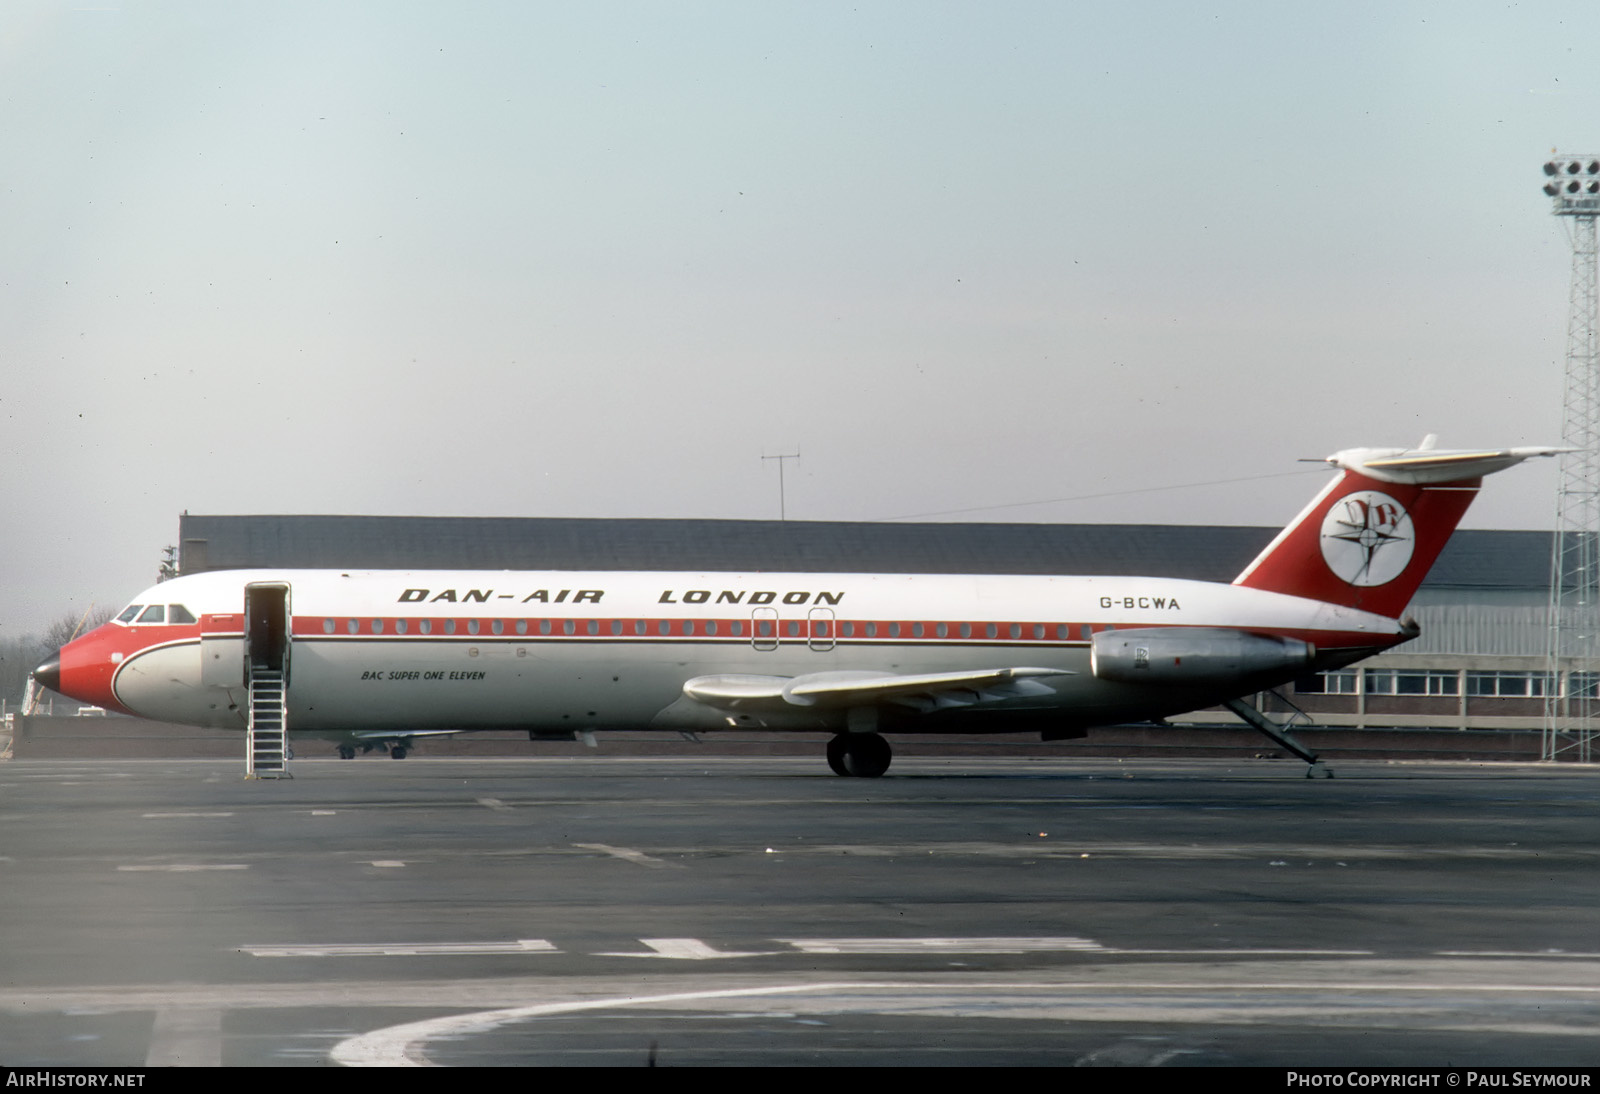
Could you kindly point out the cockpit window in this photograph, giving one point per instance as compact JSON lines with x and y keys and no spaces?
{"x":127,"y":616}
{"x":155,"y":613}
{"x":180,"y":614}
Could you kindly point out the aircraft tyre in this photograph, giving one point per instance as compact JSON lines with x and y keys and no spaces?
{"x":347,"y":752}
{"x":398,"y":752}
{"x":863,"y":755}
{"x":836,"y":754}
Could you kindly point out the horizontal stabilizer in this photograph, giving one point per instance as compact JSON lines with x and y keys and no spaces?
{"x":1425,"y":465}
{"x":845,"y":689}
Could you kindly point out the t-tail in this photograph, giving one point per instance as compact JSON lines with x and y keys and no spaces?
{"x":1369,"y":539}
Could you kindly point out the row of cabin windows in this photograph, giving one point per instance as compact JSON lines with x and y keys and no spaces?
{"x":156,"y":613}
{"x":1444,"y":683}
{"x":738,"y":628}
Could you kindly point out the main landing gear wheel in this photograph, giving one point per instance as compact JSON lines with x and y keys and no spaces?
{"x":398,"y":752}
{"x":347,"y":752}
{"x":864,"y":755}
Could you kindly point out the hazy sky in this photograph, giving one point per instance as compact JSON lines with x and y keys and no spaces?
{"x":597,"y":259}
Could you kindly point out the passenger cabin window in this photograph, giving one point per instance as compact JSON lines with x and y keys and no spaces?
{"x":155,"y":613}
{"x":179,"y":614}
{"x":128,"y":615}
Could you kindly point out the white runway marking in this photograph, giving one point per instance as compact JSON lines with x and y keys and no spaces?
{"x":494,"y":803}
{"x":1524,"y":954}
{"x":941,"y":945}
{"x":403,"y":949}
{"x":694,"y":949}
{"x":637,"y":857}
{"x":686,"y":949}
{"x":388,"y":864}
{"x":1406,"y":1002}
{"x":164,"y":816}
{"x":183,"y":867}
{"x":400,"y":1046}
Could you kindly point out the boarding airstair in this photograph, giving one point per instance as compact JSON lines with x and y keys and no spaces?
{"x":268,"y":746}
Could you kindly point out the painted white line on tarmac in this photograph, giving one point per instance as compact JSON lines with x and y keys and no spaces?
{"x":403,"y":949}
{"x":1231,"y":1001}
{"x":1541,"y":955}
{"x":401,"y":1046}
{"x":942,"y":945}
{"x":687,"y":949}
{"x":638,"y":858}
{"x":183,"y":867}
{"x":166,"y":816}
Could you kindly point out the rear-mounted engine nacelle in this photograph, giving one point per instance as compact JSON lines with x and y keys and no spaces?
{"x":1192,"y":656}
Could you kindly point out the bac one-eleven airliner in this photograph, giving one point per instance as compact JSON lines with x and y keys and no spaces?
{"x":390,"y":655}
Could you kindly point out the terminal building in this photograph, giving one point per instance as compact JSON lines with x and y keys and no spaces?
{"x":1479,"y":662}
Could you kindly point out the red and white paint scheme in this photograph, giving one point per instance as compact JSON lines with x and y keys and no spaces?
{"x":391,"y":655}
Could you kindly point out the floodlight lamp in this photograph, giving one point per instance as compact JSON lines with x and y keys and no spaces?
{"x":1550,"y":168}
{"x":1551,"y":189}
{"x":1573,"y":167}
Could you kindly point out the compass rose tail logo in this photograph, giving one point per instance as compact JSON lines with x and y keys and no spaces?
{"x":1370,"y":538}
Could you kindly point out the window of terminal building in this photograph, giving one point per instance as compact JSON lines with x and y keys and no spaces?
{"x":1412,"y":682}
{"x":1583,"y":685}
{"x":1340,"y":682}
{"x":1508,"y":685}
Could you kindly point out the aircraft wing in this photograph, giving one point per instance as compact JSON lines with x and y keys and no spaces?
{"x":394,"y":735}
{"x":920,"y":692}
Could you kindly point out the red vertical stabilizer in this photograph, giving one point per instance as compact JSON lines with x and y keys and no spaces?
{"x":1363,"y":543}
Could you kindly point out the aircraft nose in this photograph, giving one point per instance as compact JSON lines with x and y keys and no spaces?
{"x":49,"y":673}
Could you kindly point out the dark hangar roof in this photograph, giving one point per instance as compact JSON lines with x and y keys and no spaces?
{"x":1204,"y":552}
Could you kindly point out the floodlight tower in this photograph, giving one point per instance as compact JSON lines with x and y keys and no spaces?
{"x":1573,"y":645}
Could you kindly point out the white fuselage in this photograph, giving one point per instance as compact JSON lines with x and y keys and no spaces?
{"x":556,"y":651}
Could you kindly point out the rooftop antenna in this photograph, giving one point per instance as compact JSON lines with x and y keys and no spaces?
{"x":1573,"y":642}
{"x":783,"y":509}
